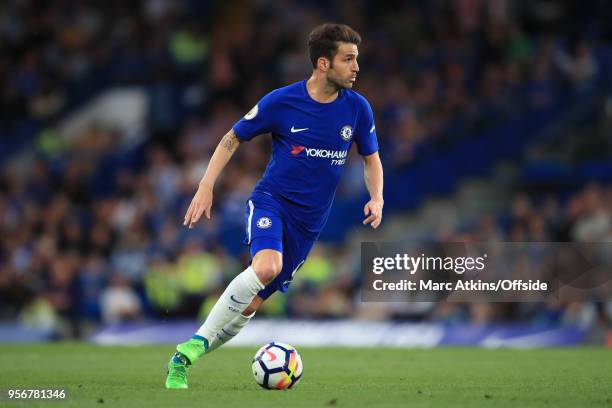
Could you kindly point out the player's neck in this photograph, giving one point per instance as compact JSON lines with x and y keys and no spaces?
{"x":320,"y":89}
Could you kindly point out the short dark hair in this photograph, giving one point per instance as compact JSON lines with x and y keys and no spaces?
{"x":323,"y":40}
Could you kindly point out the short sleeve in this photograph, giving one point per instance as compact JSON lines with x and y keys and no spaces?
{"x":365,"y":135}
{"x":259,"y":120}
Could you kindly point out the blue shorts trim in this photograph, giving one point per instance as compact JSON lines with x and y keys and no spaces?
{"x":260,"y":243}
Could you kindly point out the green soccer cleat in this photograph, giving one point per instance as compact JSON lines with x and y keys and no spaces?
{"x":186,"y":355}
{"x":193,"y":349}
{"x":177,"y":375}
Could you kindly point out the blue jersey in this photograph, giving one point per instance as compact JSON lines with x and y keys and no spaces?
{"x":310,"y":145}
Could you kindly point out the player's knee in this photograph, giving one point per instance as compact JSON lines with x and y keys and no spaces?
{"x":267,"y":271}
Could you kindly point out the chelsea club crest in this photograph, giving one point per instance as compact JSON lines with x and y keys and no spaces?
{"x":264,"y":222}
{"x":346,"y":132}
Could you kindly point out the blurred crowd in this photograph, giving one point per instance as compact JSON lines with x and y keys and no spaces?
{"x":583,"y":217}
{"x":91,"y":234}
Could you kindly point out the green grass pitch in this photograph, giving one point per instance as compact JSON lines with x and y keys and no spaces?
{"x":98,"y":376}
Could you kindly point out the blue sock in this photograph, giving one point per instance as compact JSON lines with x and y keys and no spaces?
{"x":197,"y":337}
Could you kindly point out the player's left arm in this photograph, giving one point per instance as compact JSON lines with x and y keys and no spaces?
{"x":373,"y":175}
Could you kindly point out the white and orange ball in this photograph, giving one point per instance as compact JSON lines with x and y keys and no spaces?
{"x":277,"y":366}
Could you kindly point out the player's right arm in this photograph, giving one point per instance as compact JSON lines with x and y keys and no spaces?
{"x":260,"y":119}
{"x":203,"y":198}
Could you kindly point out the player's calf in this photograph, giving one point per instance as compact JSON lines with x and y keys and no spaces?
{"x":233,"y":301}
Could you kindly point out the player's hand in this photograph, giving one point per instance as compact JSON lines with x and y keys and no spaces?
{"x":373,"y":211}
{"x":200,"y":204}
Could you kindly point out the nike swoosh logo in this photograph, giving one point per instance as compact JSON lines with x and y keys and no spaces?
{"x":294,"y":130}
{"x":373,"y":127}
{"x":237,"y":301}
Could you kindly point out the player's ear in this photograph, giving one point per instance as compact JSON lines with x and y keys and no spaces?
{"x":323,"y":64}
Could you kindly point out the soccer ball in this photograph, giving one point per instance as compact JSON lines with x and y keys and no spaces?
{"x":277,"y":366}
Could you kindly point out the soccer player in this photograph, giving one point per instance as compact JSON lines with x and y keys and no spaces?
{"x":313,"y":125}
